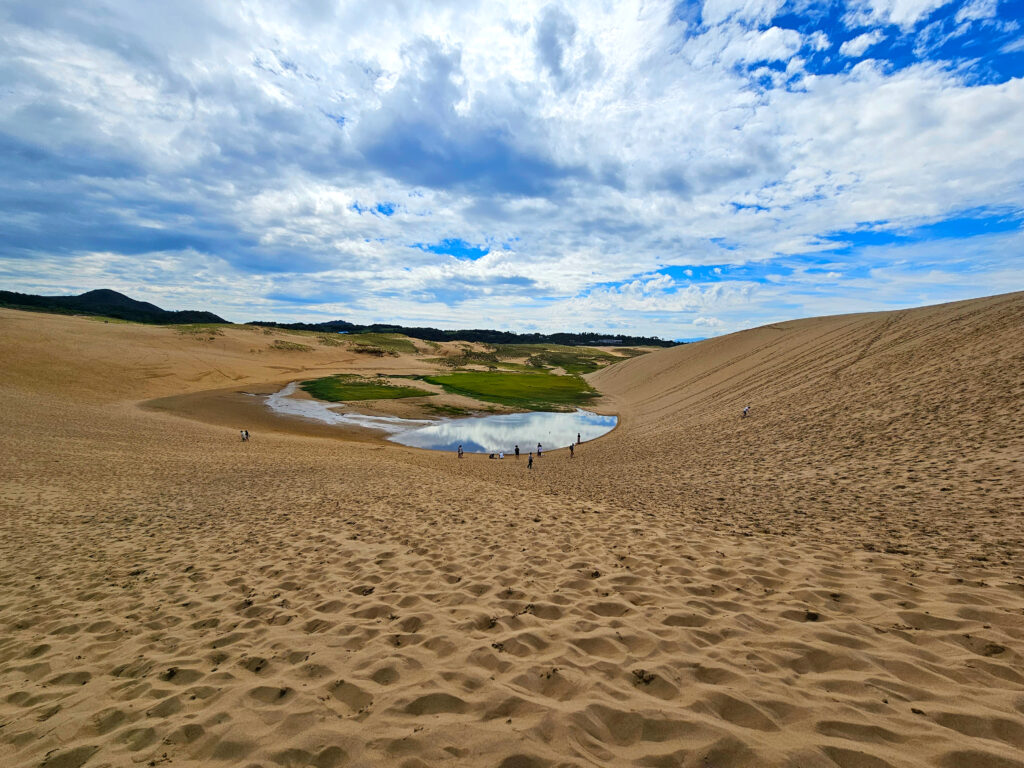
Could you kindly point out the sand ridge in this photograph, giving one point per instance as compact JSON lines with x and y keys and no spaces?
{"x":690,"y":590}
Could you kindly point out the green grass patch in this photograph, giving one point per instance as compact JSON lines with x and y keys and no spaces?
{"x":447,"y":410}
{"x":290,"y":346}
{"x":505,"y":351}
{"x":330,"y":341}
{"x":532,"y":391}
{"x":344,"y":387}
{"x":390,"y":343}
{"x":445,"y":361}
{"x":475,"y":357}
{"x":507,"y":366}
{"x":573,"y":360}
{"x":199,"y":329}
{"x":467,"y":357}
{"x":370,"y":349}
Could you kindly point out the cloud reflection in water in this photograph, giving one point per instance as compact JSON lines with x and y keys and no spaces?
{"x":283,"y":403}
{"x":490,"y":434}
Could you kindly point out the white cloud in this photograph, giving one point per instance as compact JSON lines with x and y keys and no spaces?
{"x":977,"y":9}
{"x":903,"y":13}
{"x":707,"y":322}
{"x":252,"y":149}
{"x":857,"y":46}
{"x":1013,"y":47}
{"x":819,"y":41}
{"x":773,"y":44}
{"x":717,"y":11}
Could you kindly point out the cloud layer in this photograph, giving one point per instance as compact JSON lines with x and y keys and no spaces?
{"x":679,"y":169}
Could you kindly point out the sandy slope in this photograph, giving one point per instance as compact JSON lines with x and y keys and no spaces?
{"x":833,"y":581}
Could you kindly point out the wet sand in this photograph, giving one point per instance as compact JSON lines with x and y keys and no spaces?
{"x":834,"y":581}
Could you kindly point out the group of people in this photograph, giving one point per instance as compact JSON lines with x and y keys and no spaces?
{"x":245,"y":435}
{"x":529,"y":461}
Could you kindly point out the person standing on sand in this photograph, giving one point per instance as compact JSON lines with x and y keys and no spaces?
{"x":572,"y":453}
{"x":540,"y":451}
{"x":517,"y":451}
{"x":529,"y":463}
{"x":577,"y":438}
{"x":460,"y":450}
{"x":746,"y":412}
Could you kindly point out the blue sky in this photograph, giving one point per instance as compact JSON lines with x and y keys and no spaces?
{"x":680,"y":169}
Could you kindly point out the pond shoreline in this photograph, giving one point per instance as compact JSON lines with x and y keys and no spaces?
{"x":283,"y":404}
{"x":247,"y":408}
{"x":477,"y":434}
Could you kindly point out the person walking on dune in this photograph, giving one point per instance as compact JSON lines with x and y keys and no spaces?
{"x":572,"y":453}
{"x":460,"y":450}
{"x":517,"y":451}
{"x":529,"y":463}
{"x":746,"y":412}
{"x":540,"y":451}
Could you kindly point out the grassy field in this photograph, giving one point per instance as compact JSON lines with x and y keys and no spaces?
{"x":573,"y":360}
{"x":199,"y":329}
{"x":390,"y":343}
{"x":290,"y":346}
{"x":343,"y":387}
{"x":447,"y":410}
{"x":532,"y":391}
{"x":330,"y":341}
{"x":467,"y":357}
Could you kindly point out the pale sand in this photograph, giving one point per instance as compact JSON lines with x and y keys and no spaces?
{"x":836,"y":580}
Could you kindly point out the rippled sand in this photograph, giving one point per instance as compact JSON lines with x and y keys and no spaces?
{"x":834,"y":581}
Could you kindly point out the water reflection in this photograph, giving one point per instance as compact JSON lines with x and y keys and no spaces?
{"x":282,"y":402}
{"x":491,"y":434}
{"x":482,"y":434}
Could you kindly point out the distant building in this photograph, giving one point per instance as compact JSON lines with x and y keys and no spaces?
{"x":607,"y":342}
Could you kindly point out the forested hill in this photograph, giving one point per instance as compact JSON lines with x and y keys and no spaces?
{"x":481,"y":335}
{"x":109,"y":303}
{"x":106,"y":303}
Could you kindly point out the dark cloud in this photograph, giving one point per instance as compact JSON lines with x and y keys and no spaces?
{"x":555,"y":37}
{"x":458,"y":289}
{"x":555,"y":31}
{"x":417,"y":136}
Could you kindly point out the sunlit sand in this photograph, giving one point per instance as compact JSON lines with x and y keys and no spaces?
{"x":835,"y":580}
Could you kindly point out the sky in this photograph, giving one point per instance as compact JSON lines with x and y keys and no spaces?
{"x":673,"y":169}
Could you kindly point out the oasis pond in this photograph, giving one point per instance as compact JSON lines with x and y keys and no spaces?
{"x":502,"y":432}
{"x":477,"y":434}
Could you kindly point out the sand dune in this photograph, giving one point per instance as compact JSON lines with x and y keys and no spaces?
{"x":834,"y":581}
